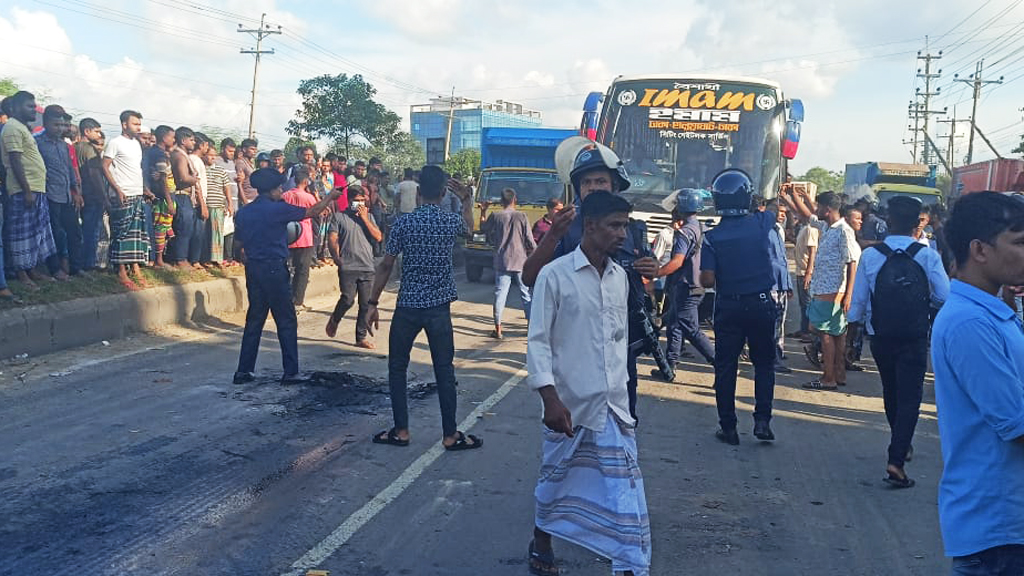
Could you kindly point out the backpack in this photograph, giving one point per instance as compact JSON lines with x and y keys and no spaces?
{"x":901,"y":301}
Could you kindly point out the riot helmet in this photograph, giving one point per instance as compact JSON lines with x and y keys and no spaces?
{"x":732,"y":190}
{"x":689,"y":201}
{"x":598,"y":156}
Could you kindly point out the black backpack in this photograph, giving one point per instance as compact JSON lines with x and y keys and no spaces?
{"x":901,"y":301}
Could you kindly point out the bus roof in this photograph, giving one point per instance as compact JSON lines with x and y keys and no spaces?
{"x":700,"y":77}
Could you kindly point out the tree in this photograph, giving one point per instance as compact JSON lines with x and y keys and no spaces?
{"x":8,"y":86}
{"x":1020,"y":147}
{"x":402,"y":151}
{"x":465,"y":162}
{"x":825,"y":179}
{"x":341,"y":109}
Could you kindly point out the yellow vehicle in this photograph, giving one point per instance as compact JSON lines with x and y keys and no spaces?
{"x":533,"y":186}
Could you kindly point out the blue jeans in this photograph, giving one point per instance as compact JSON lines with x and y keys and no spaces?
{"x":682,"y":324}
{"x":999,"y":561}
{"x":405,"y":326}
{"x":269,"y":290}
{"x":781,"y":305}
{"x":67,"y":234}
{"x":92,"y":225}
{"x":749,"y":319}
{"x":502,"y":285}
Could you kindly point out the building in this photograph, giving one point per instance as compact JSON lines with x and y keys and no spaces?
{"x":429,"y":123}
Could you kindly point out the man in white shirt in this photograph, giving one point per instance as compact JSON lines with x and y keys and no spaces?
{"x":577,"y":361}
{"x":407,"y":189}
{"x":122,"y":167}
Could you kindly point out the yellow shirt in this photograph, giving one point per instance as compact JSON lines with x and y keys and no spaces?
{"x":16,"y":137}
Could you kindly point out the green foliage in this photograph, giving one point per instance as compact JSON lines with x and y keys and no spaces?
{"x":8,"y":86}
{"x":400,"y":152}
{"x":1020,"y":147}
{"x":464,"y":163}
{"x":825,"y":179}
{"x":341,"y":109}
{"x":292,"y":146}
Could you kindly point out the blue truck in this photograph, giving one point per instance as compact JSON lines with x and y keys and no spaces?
{"x":522,"y":159}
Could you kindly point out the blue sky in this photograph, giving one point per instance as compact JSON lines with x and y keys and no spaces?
{"x":853,"y":64}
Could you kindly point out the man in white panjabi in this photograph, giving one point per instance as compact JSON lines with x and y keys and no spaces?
{"x":590,"y":491}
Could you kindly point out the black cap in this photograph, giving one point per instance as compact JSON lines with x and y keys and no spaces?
{"x":55,"y":110}
{"x":266,"y":179}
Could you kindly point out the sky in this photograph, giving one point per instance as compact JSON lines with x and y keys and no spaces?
{"x":854,"y":65}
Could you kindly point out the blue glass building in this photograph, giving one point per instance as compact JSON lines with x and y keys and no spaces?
{"x":429,"y":123}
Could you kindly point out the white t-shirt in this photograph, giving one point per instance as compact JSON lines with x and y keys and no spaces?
{"x":126,"y":166}
{"x":407,"y":196}
{"x":200,"y":169}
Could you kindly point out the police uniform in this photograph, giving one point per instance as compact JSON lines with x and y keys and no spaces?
{"x":738,"y":252}
{"x":262,"y":228}
{"x":686,"y":292}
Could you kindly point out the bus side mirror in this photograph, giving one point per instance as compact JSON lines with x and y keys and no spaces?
{"x":791,"y":140}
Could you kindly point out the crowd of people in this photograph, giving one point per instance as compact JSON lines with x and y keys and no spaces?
{"x":76,"y":201}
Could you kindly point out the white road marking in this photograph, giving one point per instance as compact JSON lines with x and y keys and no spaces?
{"x":359,"y":518}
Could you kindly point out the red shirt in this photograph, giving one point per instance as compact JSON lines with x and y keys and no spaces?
{"x":340,"y":181}
{"x":303,"y":199}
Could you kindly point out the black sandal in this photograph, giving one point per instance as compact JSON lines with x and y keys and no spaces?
{"x":817,"y":385}
{"x":542,"y":564}
{"x":389,"y":437}
{"x":897,"y":482}
{"x":462,"y":444}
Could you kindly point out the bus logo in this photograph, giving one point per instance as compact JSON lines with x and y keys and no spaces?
{"x":627,"y":98}
{"x":654,"y":97}
{"x":765,"y":102}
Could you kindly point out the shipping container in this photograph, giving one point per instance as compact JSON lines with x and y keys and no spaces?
{"x":1001,"y":175}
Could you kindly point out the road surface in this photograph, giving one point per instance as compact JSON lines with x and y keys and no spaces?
{"x":141,"y":457}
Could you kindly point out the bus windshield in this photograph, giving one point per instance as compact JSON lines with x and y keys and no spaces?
{"x":532,"y":188}
{"x":679,"y":134}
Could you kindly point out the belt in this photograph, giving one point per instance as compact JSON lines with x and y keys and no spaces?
{"x":766,"y":295}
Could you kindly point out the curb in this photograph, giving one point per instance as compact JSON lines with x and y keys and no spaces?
{"x":48,"y":328}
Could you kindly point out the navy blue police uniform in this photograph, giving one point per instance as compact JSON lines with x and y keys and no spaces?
{"x":633,"y":248}
{"x":262,"y":228}
{"x":687,"y":293}
{"x":737,"y":251}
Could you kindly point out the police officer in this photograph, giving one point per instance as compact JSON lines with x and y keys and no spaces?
{"x":596,"y":168}
{"x":683,"y":288}
{"x":262,"y":229}
{"x":736,"y":261}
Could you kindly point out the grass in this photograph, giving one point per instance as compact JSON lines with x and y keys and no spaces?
{"x":105,"y":283}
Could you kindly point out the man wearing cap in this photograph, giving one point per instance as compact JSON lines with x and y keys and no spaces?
{"x":28,"y":237}
{"x":596,"y":168}
{"x":62,"y":193}
{"x":262,"y":231}
{"x":683,"y":287}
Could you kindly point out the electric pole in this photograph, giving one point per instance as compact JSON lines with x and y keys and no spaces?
{"x":451,"y":120}
{"x":928,"y":76}
{"x":978,"y":81}
{"x":263,"y":31}
{"x":951,"y":140}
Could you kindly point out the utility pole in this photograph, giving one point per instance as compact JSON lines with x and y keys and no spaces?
{"x":951,"y":142}
{"x":259,"y":34}
{"x":978,"y":81}
{"x":928,"y":76}
{"x":451,"y":120}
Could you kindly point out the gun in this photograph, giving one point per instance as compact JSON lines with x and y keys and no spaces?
{"x":643,"y":335}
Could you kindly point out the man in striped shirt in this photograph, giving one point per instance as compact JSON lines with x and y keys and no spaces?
{"x":218,"y":202}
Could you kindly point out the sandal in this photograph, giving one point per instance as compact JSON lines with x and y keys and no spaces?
{"x":389,"y":437}
{"x":817,"y":385}
{"x":897,"y":482}
{"x":542,"y":564}
{"x":462,"y":444}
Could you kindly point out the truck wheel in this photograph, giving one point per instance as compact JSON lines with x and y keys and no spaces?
{"x":474,"y":272}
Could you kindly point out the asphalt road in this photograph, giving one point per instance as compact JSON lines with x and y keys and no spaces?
{"x":142,"y":458}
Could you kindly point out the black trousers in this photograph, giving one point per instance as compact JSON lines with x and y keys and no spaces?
{"x":266,"y":283}
{"x":354,"y":284}
{"x":747,"y":320}
{"x":301,"y":260}
{"x":902,"y":363}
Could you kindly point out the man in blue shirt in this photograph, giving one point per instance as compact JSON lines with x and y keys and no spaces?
{"x":900,"y":351}
{"x":782,"y":290}
{"x":736,"y":260}
{"x":425,"y":238}
{"x":261,"y":227}
{"x":683,"y":287}
{"x":978,"y":358}
{"x":62,"y":191}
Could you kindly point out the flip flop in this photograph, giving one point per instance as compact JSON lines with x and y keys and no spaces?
{"x":542,"y":564}
{"x":389,"y":437}
{"x":817,"y":385}
{"x":462,"y":444}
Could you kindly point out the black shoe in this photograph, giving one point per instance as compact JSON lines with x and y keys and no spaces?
{"x":657,"y":373}
{"x":291,"y":379}
{"x":728,"y":436}
{"x":783,"y":369}
{"x":243,"y":378}
{"x":854,"y":367}
{"x":762,"y":431}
